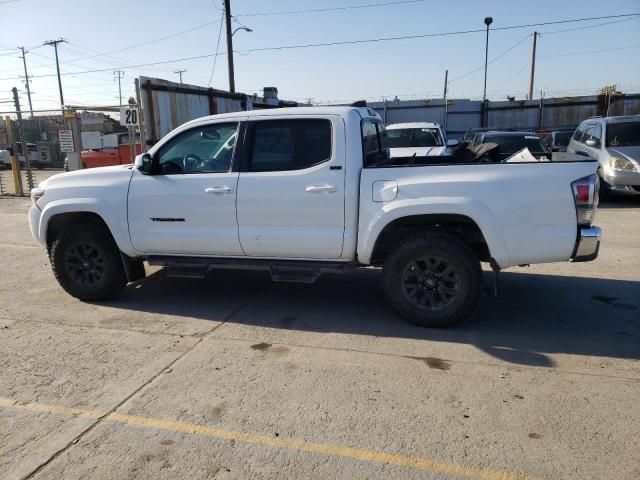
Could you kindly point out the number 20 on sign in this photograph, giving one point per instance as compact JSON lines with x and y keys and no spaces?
{"x":129,"y":116}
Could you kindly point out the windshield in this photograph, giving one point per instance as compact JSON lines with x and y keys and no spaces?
{"x":510,"y":144}
{"x":623,"y":134}
{"x":414,"y":137}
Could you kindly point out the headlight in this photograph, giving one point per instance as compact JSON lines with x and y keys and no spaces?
{"x":36,"y":193}
{"x":621,"y":164}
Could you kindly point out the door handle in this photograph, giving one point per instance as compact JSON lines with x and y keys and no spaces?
{"x":320,"y":189}
{"x":218,"y":190}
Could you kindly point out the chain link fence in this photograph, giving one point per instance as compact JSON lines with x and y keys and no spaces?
{"x":34,"y":140}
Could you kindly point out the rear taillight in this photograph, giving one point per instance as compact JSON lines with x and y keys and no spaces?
{"x":585,"y":194}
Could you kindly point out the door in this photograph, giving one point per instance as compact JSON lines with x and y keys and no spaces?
{"x":188,"y":204}
{"x":291,"y":188}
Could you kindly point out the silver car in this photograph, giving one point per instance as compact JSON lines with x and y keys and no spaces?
{"x":615,"y":143}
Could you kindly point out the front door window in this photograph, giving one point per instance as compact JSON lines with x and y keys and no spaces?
{"x":206,"y":149}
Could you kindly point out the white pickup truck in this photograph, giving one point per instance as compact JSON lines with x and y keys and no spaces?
{"x":300,"y":191}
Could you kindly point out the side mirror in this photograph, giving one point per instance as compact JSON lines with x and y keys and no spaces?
{"x":592,"y":143}
{"x":144,"y":163}
{"x":452,"y":142}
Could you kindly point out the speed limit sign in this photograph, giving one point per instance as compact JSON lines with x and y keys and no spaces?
{"x":129,"y":116}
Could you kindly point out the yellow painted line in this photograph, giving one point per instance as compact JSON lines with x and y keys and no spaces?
{"x":290,"y":444}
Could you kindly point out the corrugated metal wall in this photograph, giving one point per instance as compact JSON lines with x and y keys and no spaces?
{"x":562,"y":112}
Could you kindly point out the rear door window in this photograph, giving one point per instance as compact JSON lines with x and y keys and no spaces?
{"x":280,"y":145}
{"x":374,"y":142}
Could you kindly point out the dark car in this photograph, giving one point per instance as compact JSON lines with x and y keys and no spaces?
{"x":557,"y":140}
{"x":472,"y":134}
{"x":509,"y":143}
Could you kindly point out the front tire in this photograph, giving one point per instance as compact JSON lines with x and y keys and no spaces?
{"x":432,"y":279}
{"x":86,"y":262}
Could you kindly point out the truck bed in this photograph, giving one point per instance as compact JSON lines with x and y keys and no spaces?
{"x":526,"y":211}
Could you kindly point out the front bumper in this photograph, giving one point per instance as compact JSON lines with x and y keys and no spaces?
{"x":587,"y":245}
{"x":624,"y":182}
{"x":34,"y":223}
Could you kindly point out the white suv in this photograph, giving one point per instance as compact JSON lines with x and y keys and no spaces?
{"x":615,"y":143}
{"x":421,"y":139}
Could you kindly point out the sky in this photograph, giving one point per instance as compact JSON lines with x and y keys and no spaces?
{"x":572,"y":58}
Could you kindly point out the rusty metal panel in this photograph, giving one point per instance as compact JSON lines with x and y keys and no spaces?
{"x":168,"y":105}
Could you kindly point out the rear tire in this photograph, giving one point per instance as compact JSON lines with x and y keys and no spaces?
{"x":432,"y":279}
{"x":87,"y":263}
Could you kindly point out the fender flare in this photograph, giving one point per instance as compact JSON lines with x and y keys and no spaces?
{"x":473,"y":209}
{"x":90,"y":205}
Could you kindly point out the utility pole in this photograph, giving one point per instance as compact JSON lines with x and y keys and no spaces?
{"x":55,"y":46}
{"x":533,"y":65}
{"x":20,"y":140}
{"x":119,"y":74}
{"x":26,"y":79}
{"x":16,"y":102}
{"x":180,"y":72}
{"x":227,"y":15}
{"x":444,"y":96}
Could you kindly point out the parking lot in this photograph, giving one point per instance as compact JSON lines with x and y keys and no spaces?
{"x":236,"y":377}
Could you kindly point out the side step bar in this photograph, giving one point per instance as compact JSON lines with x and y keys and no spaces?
{"x":298,"y":271}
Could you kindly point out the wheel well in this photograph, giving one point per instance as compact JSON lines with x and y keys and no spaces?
{"x":460,"y":226}
{"x":58,"y":222}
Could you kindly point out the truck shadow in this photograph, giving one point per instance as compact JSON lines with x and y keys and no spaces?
{"x":536,"y":315}
{"x":620,"y":201}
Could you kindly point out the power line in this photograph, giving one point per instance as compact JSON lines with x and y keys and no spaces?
{"x":159,"y":39}
{"x":346,"y":42}
{"x":215,"y":58}
{"x":587,"y":52}
{"x":511,"y":78}
{"x":589,"y":26}
{"x":492,"y":60}
{"x":329,"y":9}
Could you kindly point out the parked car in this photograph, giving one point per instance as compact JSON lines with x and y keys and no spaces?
{"x":509,"y":143}
{"x":311,"y":190}
{"x":37,"y":158}
{"x":120,"y":155}
{"x":470,"y":135}
{"x":557,"y":140}
{"x":5,"y":159}
{"x":421,"y":139}
{"x":615,"y":143}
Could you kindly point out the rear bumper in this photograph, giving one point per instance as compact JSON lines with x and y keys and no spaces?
{"x":587,"y":245}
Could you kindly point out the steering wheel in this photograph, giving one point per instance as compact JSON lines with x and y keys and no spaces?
{"x":192,"y":162}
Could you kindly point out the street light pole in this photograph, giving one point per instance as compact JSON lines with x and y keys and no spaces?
{"x":487,"y":21}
